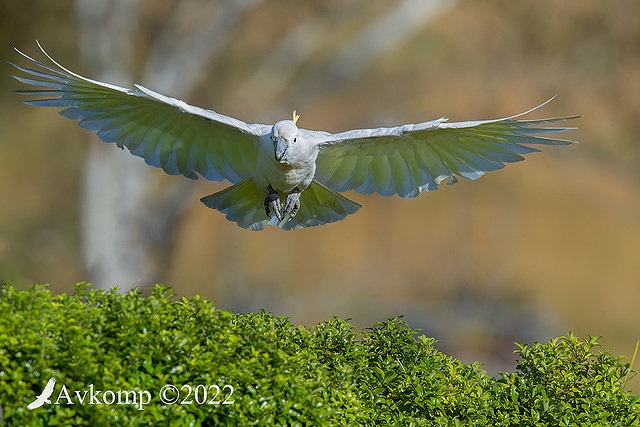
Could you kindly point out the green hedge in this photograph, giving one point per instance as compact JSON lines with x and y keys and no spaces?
{"x":118,"y":351}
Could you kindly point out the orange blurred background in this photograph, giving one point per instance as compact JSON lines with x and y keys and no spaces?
{"x":527,"y":253}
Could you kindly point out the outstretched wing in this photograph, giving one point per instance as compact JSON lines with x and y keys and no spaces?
{"x":166,"y":132}
{"x":407,"y":159}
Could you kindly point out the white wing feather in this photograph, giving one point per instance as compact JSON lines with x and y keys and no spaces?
{"x":408,"y":159}
{"x":166,"y":132}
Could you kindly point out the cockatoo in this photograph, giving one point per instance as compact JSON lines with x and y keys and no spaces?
{"x":284,"y":175}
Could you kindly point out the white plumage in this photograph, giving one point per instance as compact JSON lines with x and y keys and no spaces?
{"x":283,"y":175}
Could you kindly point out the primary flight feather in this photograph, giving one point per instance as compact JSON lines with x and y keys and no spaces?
{"x":284,"y":175}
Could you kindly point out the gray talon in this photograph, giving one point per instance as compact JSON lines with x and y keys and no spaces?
{"x":292,"y":204}
{"x":272,"y":202}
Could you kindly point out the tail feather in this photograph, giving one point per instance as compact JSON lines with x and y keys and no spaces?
{"x":320,"y":205}
{"x":243,"y":204}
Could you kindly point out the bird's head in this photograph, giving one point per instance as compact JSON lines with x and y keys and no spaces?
{"x":284,"y":136}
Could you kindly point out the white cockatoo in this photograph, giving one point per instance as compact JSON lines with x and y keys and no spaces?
{"x":284,"y":175}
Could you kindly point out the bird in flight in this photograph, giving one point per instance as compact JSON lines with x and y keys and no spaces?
{"x":44,"y":396}
{"x":283,"y":175}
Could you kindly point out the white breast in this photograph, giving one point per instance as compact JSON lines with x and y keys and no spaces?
{"x":282,"y":177}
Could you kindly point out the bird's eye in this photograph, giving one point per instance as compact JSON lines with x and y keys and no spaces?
{"x":295,"y":139}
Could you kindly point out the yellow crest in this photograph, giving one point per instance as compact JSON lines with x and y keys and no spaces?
{"x":296,"y":116}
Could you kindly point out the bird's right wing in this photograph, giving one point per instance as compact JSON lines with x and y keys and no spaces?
{"x":166,"y":132}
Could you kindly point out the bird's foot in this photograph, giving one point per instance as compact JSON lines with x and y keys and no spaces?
{"x":292,"y":204}
{"x":272,"y":202}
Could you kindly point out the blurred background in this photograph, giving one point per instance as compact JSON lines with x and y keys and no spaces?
{"x":540,"y":248}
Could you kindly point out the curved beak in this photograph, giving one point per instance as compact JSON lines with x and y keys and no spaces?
{"x":280,"y":147}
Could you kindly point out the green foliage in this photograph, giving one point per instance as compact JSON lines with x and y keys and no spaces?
{"x":103,"y":343}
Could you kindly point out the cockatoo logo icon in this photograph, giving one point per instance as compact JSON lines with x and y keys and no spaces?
{"x":44,"y":396}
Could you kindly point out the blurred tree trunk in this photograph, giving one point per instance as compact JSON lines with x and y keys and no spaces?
{"x":114,"y":183}
{"x":124,"y":218}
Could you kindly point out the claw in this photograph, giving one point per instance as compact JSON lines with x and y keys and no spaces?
{"x":292,"y":204}
{"x":272,"y":202}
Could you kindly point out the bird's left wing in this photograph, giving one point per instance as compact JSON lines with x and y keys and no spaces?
{"x":166,"y":132}
{"x":407,"y":159}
